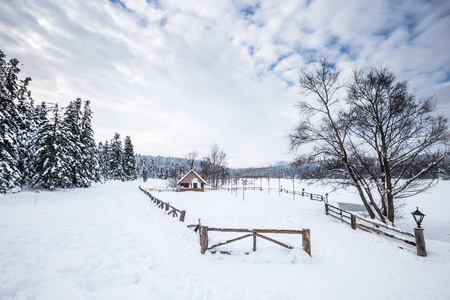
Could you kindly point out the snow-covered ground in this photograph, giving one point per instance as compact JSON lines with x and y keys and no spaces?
{"x":111,"y":242}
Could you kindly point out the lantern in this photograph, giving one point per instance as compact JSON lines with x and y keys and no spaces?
{"x":418,"y":217}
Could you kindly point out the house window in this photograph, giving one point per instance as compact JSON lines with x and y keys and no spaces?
{"x":195,"y":183}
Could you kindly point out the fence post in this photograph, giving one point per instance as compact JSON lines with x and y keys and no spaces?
{"x":254,"y":241}
{"x":303,"y":192}
{"x":326,"y":208}
{"x":182,"y":215}
{"x":353,"y":221}
{"x":420,"y":242}
{"x":306,"y":241}
{"x":293,"y":189}
{"x":203,"y":239}
{"x":167,"y":206}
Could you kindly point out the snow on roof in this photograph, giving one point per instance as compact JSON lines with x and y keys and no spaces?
{"x":195,"y":173}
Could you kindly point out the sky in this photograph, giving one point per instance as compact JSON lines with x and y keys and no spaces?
{"x":178,"y":76}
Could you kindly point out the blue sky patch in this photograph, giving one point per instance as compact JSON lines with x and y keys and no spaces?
{"x":251,"y":50}
{"x":163,"y":22}
{"x":249,"y":10}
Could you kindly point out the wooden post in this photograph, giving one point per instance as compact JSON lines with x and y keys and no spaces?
{"x":306,"y":241}
{"x":254,"y":241}
{"x":260,"y":184}
{"x":182,"y":215}
{"x":420,"y":242}
{"x":167,"y":206}
{"x":293,"y":189}
{"x":326,"y":208}
{"x":279,"y":188}
{"x":352,"y":221}
{"x":303,"y":192}
{"x":203,"y":239}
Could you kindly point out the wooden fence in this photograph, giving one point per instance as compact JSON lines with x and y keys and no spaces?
{"x":166,"y":206}
{"x":255,"y":233}
{"x":356,"y":221}
{"x":311,"y":196}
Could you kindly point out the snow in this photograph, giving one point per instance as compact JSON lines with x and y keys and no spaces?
{"x":111,"y":242}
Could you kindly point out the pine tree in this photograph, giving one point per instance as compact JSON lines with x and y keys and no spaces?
{"x":116,"y":157}
{"x":90,"y":157}
{"x":10,"y":175}
{"x":72,"y":127}
{"x":129,"y":160}
{"x":103,"y":150}
{"x":28,"y":126}
{"x":52,"y":166}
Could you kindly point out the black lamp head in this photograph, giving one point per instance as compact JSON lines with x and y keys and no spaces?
{"x":418,"y":216}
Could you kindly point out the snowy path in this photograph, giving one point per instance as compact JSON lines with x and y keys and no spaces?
{"x":111,"y":242}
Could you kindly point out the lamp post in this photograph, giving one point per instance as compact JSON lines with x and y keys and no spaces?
{"x":418,"y":233}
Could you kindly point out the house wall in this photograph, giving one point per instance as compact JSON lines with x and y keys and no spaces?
{"x":191,"y":189}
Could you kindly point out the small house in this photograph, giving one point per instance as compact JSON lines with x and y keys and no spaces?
{"x":191,"y":182}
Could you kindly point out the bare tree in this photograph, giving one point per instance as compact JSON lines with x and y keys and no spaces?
{"x":214,"y":166}
{"x":330,"y":134}
{"x":388,"y":123}
{"x":192,"y":157}
{"x":383,"y":133}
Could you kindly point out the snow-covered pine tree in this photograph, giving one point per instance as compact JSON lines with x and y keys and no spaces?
{"x":116,"y":159}
{"x":10,"y":175}
{"x":52,"y":165}
{"x":72,"y":127}
{"x":41,"y":112}
{"x":103,"y":151}
{"x":28,"y":126}
{"x":129,"y":161}
{"x":90,"y":157}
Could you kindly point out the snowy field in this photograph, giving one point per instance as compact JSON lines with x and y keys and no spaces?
{"x":110,"y":242}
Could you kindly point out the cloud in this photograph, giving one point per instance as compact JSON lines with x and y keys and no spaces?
{"x":182,"y":75}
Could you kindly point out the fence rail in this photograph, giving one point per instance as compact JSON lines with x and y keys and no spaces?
{"x":311,"y":196}
{"x":356,"y":221}
{"x":255,"y":233}
{"x":171,"y":210}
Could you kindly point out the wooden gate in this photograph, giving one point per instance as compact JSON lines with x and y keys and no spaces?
{"x":255,"y":233}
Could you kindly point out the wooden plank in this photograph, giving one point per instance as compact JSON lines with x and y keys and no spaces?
{"x":362,"y":228}
{"x":306,"y":241}
{"x":182,"y":215}
{"x":385,"y":226}
{"x":284,"y":231}
{"x":375,"y":223}
{"x":273,"y":241}
{"x":353,"y":221}
{"x":203,"y":239}
{"x":229,"y":230}
{"x":232,"y":240}
{"x":345,"y":221}
{"x":387,"y":234}
{"x":173,"y":212}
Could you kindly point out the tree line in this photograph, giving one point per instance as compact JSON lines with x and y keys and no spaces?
{"x":47,"y":146}
{"x":213,"y":167}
